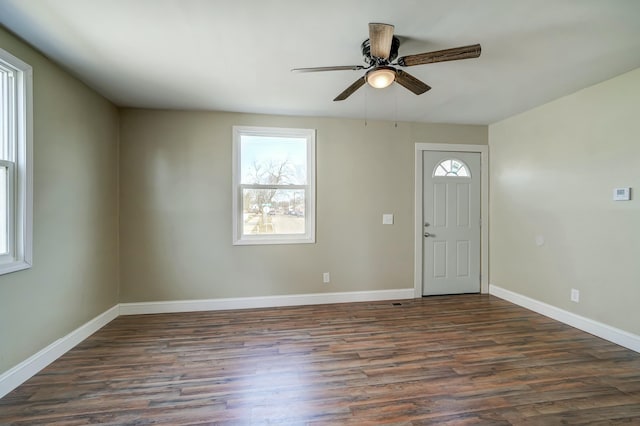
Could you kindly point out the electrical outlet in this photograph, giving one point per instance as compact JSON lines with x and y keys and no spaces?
{"x":575,"y":295}
{"x":326,"y":278}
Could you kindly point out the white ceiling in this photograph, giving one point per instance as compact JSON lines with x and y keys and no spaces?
{"x":237,"y":55}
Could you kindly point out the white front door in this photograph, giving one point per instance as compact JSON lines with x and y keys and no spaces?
{"x":451,"y":222}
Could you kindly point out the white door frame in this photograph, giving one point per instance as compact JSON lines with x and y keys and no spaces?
{"x":484,"y":210}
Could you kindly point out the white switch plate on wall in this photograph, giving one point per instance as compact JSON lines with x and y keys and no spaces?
{"x":575,"y":295}
{"x":387,"y":219}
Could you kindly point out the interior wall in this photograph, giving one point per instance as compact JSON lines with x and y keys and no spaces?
{"x":75,"y":224}
{"x":175,"y":188}
{"x":553,"y":171}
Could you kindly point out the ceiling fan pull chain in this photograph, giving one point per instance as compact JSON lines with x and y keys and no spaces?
{"x":395,"y":112}
{"x":366,"y":96}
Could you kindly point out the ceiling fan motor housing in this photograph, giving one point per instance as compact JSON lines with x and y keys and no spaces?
{"x":371,"y":60}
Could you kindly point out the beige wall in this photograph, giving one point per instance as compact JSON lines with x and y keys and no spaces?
{"x":553,"y":170}
{"x":175,"y":185}
{"x":74,"y":274}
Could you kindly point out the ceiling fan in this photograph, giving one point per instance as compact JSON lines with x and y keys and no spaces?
{"x":380,"y":50}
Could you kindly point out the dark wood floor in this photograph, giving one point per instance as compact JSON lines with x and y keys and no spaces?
{"x":471,"y":359}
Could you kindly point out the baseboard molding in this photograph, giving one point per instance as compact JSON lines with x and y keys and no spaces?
{"x":262,"y":302}
{"x":17,"y":375}
{"x":604,"y":331}
{"x":14,"y":377}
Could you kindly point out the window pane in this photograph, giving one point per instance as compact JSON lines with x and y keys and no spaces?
{"x":273,"y":160}
{"x":451,"y":168}
{"x":4,"y":112}
{"x":3,"y":211}
{"x":273,"y":211}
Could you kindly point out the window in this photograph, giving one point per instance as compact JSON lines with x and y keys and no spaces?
{"x":15,"y":163}
{"x":273,"y":185}
{"x":452,"y":168}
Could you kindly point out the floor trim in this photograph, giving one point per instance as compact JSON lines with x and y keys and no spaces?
{"x":262,"y":302}
{"x":604,"y":331}
{"x":17,"y":375}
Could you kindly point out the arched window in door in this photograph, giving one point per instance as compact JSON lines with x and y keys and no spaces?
{"x":452,"y":168}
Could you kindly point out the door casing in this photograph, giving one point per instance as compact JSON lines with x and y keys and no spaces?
{"x":484,"y":210}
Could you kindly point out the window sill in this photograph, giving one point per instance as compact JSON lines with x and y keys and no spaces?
{"x":15,"y":266}
{"x":272,"y":241}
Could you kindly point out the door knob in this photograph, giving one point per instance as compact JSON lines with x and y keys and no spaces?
{"x":426,"y":234}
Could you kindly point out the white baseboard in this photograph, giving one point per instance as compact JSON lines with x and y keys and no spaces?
{"x":262,"y":302}
{"x":607,"y":332}
{"x":14,"y":377}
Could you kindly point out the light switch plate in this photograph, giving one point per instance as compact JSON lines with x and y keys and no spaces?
{"x":387,"y":219}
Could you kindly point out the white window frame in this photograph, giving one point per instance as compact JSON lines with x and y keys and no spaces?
{"x":310,"y":209}
{"x":17,"y":121}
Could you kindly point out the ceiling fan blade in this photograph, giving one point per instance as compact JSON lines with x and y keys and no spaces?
{"x":410,"y":82}
{"x":349,"y":90}
{"x":380,"y":39}
{"x":464,"y":52}
{"x":338,"y":68}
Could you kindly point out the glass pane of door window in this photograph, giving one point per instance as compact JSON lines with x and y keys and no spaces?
{"x":452,"y":168}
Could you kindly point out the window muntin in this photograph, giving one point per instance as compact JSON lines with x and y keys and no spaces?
{"x":15,"y":163}
{"x":273,"y":185}
{"x":451,"y":167}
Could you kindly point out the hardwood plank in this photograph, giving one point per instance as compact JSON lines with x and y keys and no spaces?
{"x":471,"y":359}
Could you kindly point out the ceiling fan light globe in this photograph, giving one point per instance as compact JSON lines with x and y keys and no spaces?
{"x":381,"y":77}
